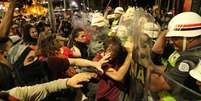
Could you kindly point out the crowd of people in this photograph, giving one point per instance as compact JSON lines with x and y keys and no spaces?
{"x":120,"y":54}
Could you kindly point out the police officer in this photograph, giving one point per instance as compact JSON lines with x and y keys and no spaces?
{"x":184,"y":31}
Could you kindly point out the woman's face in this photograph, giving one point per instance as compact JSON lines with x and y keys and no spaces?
{"x":82,"y":37}
{"x":111,"y":49}
{"x":33,"y":33}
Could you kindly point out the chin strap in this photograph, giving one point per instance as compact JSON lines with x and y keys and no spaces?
{"x":184,"y":44}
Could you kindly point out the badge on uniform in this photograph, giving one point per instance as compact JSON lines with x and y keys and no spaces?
{"x":184,"y":67}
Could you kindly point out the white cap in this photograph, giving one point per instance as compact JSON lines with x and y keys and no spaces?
{"x":119,"y":10}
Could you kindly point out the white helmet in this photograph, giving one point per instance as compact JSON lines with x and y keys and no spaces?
{"x":186,"y":24}
{"x":196,"y":72}
{"x":73,"y":5}
{"x":119,"y":10}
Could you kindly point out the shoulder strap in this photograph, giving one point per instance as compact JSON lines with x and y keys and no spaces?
{"x":22,"y":57}
{"x":15,"y":52}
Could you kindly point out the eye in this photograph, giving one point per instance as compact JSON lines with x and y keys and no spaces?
{"x":82,"y":36}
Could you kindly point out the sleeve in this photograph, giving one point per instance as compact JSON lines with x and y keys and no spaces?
{"x":39,"y":91}
{"x":156,"y":58}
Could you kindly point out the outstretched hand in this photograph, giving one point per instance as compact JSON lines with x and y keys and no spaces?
{"x":103,"y":60}
{"x":76,"y":80}
{"x":129,"y":45}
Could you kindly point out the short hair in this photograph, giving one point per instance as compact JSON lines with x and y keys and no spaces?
{"x":121,"y":53}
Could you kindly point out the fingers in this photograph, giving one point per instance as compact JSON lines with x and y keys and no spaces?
{"x":76,"y":80}
{"x":105,"y":58}
{"x":86,"y":76}
{"x":100,"y":69}
{"x":78,"y":86}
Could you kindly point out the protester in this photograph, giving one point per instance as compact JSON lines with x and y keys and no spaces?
{"x":40,"y":91}
{"x":6,"y":80}
{"x":155,"y":57}
{"x":112,"y":87}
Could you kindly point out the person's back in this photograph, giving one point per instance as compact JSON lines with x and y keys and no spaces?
{"x":6,"y":79}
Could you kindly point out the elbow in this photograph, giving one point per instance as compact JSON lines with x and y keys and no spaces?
{"x":157,"y":50}
{"x":118,"y":78}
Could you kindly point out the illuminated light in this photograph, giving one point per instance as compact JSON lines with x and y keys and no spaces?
{"x":16,"y":8}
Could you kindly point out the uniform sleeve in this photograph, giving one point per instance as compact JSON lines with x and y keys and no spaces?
{"x":39,"y":91}
{"x":181,"y":71}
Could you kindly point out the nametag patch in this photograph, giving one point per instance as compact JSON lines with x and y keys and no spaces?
{"x":184,"y":67}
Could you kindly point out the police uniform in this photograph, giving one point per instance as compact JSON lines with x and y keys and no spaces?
{"x":179,"y":75}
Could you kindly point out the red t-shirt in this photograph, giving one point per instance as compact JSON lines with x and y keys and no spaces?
{"x":108,"y":88}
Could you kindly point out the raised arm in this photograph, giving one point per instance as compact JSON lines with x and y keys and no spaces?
{"x":106,"y":12}
{"x":160,"y":43}
{"x":119,"y":74}
{"x":7,"y":19}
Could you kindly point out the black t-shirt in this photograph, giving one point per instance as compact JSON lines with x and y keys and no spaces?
{"x":180,"y":74}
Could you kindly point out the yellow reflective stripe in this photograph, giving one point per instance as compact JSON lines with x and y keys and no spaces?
{"x":173,"y":58}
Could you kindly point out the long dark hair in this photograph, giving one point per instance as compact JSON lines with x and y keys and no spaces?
{"x":48,"y":45}
{"x":119,"y":50}
{"x":73,"y":35}
{"x":26,"y":34}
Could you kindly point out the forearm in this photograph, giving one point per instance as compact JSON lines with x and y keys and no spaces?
{"x":82,"y":62}
{"x":105,"y":14}
{"x":121,"y":72}
{"x":159,"y":44}
{"x":7,"y":19}
{"x":124,"y":68}
{"x":39,"y":91}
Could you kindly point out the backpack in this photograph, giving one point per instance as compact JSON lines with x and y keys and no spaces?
{"x":33,"y":73}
